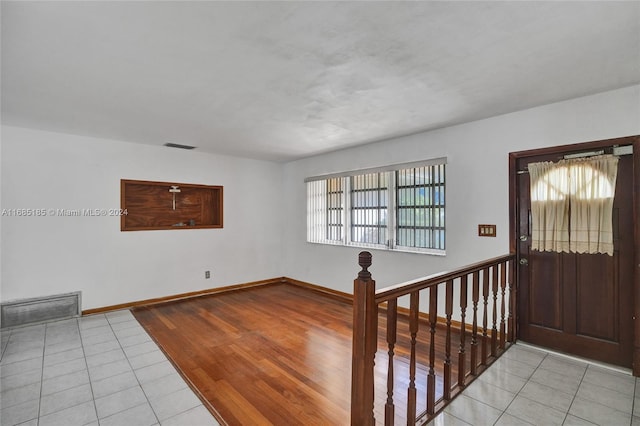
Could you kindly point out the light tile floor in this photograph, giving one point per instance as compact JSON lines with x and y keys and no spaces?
{"x":96,"y":370}
{"x":529,"y":386}
{"x":105,"y":370}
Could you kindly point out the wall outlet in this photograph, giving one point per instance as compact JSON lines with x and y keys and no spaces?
{"x":207,"y":274}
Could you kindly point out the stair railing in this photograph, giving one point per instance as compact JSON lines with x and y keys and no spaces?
{"x":487,"y":289}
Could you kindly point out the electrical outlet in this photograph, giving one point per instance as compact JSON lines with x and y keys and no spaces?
{"x":207,"y":274}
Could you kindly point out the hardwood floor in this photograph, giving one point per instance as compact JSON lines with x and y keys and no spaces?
{"x":279,"y":354}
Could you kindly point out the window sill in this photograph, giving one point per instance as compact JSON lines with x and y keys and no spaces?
{"x":431,"y":252}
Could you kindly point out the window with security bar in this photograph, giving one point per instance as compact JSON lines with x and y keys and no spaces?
{"x":335,"y":209}
{"x":369,"y":195}
{"x":399,"y":207}
{"x":420,"y":207}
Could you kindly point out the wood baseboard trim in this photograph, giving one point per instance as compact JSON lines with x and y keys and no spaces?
{"x":182,"y":296}
{"x":404,"y":312}
{"x":423,"y":318}
{"x":334,"y":294}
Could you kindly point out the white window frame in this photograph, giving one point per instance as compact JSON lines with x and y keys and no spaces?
{"x":317,"y":209}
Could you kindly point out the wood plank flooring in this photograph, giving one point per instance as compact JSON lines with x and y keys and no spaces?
{"x":279,"y":355}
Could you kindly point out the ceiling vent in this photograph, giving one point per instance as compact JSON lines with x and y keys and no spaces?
{"x":176,"y":145}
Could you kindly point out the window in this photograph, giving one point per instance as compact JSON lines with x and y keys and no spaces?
{"x":420,"y":207}
{"x":401,"y":208}
{"x":369,"y":195}
{"x":335,"y":209}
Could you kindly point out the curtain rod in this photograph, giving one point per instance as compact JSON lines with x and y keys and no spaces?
{"x":615,"y":150}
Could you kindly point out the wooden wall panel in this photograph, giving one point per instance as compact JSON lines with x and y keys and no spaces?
{"x":149,"y":206}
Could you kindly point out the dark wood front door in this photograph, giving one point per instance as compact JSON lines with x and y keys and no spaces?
{"x":581,"y":304}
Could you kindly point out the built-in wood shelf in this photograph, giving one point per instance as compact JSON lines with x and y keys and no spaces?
{"x":150,"y":205}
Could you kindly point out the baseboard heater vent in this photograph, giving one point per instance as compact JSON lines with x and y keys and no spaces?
{"x":27,"y":311}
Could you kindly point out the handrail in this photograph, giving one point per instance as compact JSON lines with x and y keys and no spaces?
{"x":481,"y":288}
{"x":407,"y":287}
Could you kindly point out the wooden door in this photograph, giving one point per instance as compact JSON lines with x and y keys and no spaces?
{"x":581,"y":304}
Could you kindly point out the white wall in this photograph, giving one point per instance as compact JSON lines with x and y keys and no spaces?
{"x":51,"y":255}
{"x":265,"y":209}
{"x":477,"y":184}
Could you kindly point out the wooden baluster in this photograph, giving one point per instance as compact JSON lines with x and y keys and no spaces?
{"x":474,"y":331}
{"x":433,"y":321}
{"x":392,"y":321}
{"x":365,"y":340}
{"x":414,"y":306}
{"x":447,"y":346}
{"x":512,"y":303}
{"x":464,"y":282}
{"x":494,"y":328}
{"x":503,"y":288}
{"x":485,"y":315}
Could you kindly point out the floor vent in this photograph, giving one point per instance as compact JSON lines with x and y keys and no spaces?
{"x":26,"y":311}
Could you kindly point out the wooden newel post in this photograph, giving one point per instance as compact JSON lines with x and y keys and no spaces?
{"x":365,"y":340}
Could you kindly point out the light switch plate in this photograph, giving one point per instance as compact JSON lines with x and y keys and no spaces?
{"x":486,"y":230}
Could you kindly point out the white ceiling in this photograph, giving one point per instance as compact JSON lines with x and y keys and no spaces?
{"x":284,"y":80}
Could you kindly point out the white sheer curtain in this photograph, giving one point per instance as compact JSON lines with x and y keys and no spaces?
{"x":593,"y":183}
{"x":572,"y":205}
{"x":549,"y":207}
